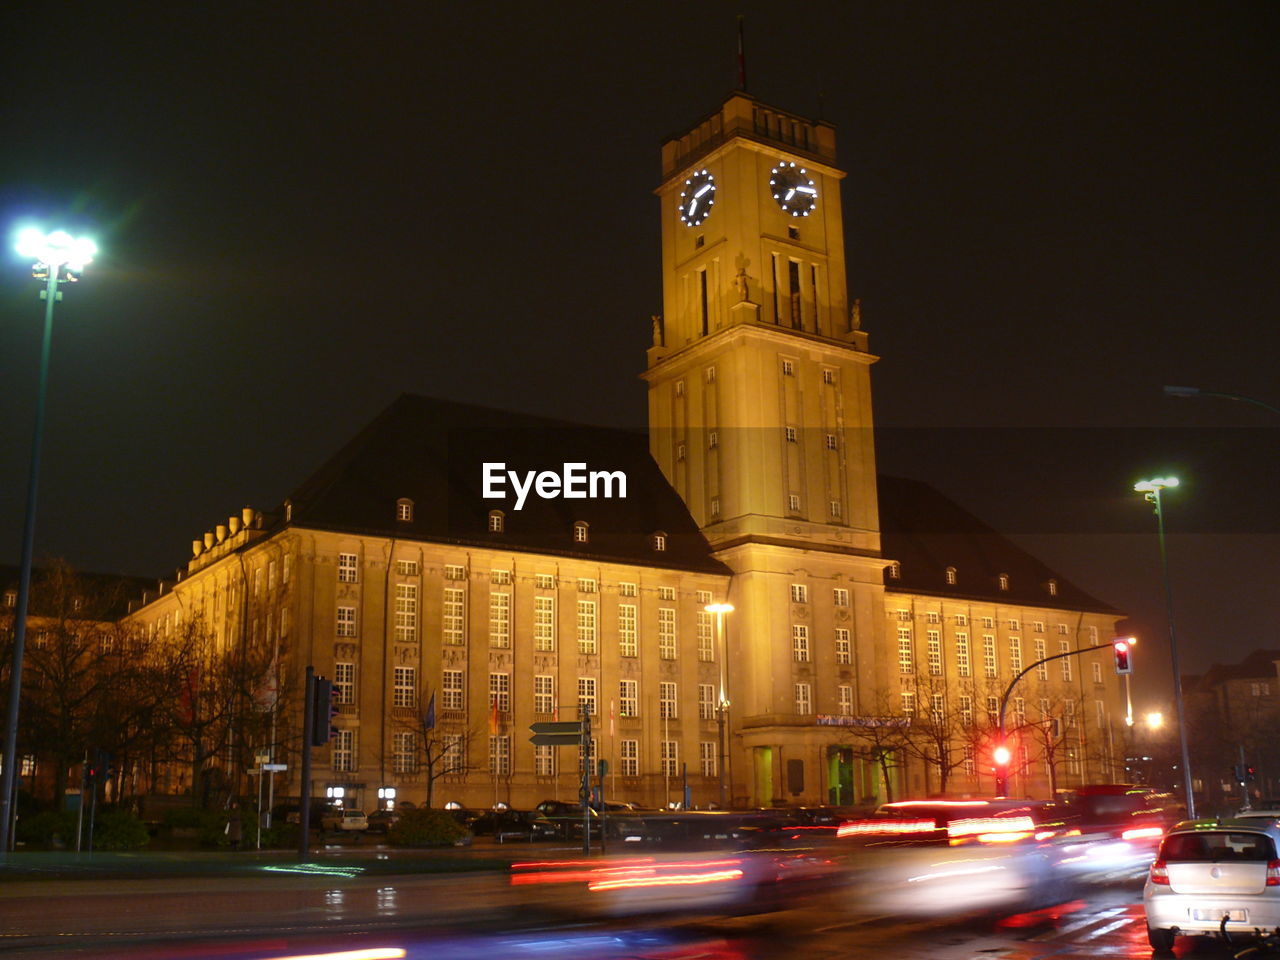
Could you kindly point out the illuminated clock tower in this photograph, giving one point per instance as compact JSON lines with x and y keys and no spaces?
{"x":760,"y":417}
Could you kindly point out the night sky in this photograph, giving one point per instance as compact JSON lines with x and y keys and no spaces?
{"x":304,"y":210}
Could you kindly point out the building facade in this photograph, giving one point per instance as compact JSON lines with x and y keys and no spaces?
{"x":873,"y":622}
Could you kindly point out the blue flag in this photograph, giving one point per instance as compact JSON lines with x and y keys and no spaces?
{"x":430,"y":721}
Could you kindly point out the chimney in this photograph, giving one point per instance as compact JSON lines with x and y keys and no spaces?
{"x":196,"y":547}
{"x":247,"y":515}
{"x":221,"y":531}
{"x":233,"y":524}
{"x":208,"y":540}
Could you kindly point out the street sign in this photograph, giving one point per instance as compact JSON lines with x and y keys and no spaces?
{"x":556,"y":733}
{"x":275,"y":767}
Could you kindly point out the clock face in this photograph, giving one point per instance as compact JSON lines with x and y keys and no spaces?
{"x":697,"y":198}
{"x":792,"y":188}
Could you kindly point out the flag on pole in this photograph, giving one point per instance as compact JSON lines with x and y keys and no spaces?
{"x":430,"y":720}
{"x":493,"y":716}
{"x":611,"y":718}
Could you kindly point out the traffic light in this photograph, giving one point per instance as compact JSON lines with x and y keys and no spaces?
{"x":323,"y":712}
{"x":1250,"y":774}
{"x":1123,"y":663}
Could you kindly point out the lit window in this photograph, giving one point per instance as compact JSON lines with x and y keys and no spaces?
{"x":629,"y":758}
{"x":346,"y":621}
{"x":788,"y":368}
{"x":347,"y":570}
{"x":406,"y":612}
{"x":1004,"y":581}
{"x":497,"y":521}
{"x":804,"y":699}
{"x":405,"y":687}
{"x":844,"y":653}
{"x":799,"y":593}
{"x":840,"y":595}
{"x":667,"y":633}
{"x":660,"y":541}
{"x":791,"y":435}
{"x":951,"y":576}
{"x":800,"y":643}
{"x":895,"y":570}
{"x":667,"y":700}
{"x":404,"y":509}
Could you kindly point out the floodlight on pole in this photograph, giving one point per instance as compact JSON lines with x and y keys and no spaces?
{"x":1151,"y":490}
{"x":57,"y":257}
{"x":722,"y":704}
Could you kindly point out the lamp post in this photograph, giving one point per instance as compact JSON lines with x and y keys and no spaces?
{"x":58,"y":257}
{"x":722,"y":702}
{"x":1151,"y":489}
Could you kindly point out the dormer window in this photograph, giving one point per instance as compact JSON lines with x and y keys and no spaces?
{"x":497,"y":521}
{"x":580,"y":533}
{"x":1003,"y":580}
{"x":950,"y":575}
{"x":288,"y":511}
{"x":659,"y":541}
{"x":895,"y":570}
{"x":1053,"y":588}
{"x":10,"y":599}
{"x":404,"y":509}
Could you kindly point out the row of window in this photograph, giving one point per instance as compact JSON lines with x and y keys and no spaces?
{"x":1066,"y":717}
{"x":788,"y":368}
{"x":990,"y":658}
{"x":951,"y":578}
{"x":905,"y":615}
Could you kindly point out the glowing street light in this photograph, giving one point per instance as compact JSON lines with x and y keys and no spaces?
{"x":722,"y":705}
{"x":57,"y":257}
{"x":1155,"y":720}
{"x":1151,"y":490}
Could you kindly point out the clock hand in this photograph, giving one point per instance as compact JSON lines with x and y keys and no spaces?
{"x":705,"y":188}
{"x":790,"y":193}
{"x":808,"y":190}
{"x":693,"y":206}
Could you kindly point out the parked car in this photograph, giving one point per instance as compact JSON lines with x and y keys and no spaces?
{"x":381,"y":821}
{"x":1211,"y":877}
{"x":346,"y":820}
{"x":505,"y":825}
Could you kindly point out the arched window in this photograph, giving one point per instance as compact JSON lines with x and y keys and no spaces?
{"x":659,"y":541}
{"x":497,"y":521}
{"x":951,"y":576}
{"x":404,"y":509}
{"x":580,"y":532}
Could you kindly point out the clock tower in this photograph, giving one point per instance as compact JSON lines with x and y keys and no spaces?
{"x":760,"y":417}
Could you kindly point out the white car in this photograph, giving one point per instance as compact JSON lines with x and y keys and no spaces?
{"x":353,"y":820}
{"x":1210,"y":869}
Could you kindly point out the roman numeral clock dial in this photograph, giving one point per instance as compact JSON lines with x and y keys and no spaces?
{"x":795,"y":192}
{"x":697,"y":198}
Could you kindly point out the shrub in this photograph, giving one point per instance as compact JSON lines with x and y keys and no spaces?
{"x":184,"y":817}
{"x":279,"y":836}
{"x":426,"y":828}
{"x":119,"y":830}
{"x":42,"y":828}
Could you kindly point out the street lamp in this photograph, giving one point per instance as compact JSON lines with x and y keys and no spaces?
{"x":722,"y":704}
{"x":57,"y":256}
{"x":1151,"y":489}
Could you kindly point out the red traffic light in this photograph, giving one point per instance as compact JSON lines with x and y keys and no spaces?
{"x":1124,"y":664}
{"x":1001,"y":755}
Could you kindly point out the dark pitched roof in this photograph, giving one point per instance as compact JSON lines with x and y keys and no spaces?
{"x":431,"y":452}
{"x":926,"y":533}
{"x":1258,"y":665}
{"x":105,"y":595}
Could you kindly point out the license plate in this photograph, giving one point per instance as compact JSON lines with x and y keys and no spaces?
{"x":1235,"y":916}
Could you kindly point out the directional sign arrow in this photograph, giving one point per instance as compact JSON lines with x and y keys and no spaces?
{"x":556,"y":733}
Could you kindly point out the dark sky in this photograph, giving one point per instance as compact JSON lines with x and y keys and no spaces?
{"x":1052,"y":209}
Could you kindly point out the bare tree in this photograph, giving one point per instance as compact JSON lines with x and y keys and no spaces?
{"x":439,"y":744}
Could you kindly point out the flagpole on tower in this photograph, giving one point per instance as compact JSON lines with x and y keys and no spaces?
{"x":742,"y":56}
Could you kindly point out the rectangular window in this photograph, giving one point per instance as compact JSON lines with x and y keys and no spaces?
{"x":1019,"y":711}
{"x":804,"y":698}
{"x":966,"y":710}
{"x":788,"y":368}
{"x":1015,"y":623}
{"x":455,"y":753}
{"x":906,"y":662}
{"x":969,"y":766}
{"x":406,"y":612}
{"x":500,"y":578}
{"x":834,"y":507}
{"x":1062,"y":629}
{"x":707,"y":757}
{"x":1038,"y":626}
{"x":799,"y":593}
{"x":405,"y":691}
{"x":1100,"y":709}
{"x":346,"y":621}
{"x":626,"y":589}
{"x":667,"y":633}
{"x":454,"y":572}
{"x":793,"y":502}
{"x":500,"y":756}
{"x":844,"y":653}
{"x":453,"y":695}
{"x":988,"y":623}
{"x":544,"y":623}
{"x":629,"y":758}
{"x":343,"y":758}
{"x":938,"y":708}
{"x":347,"y":570}
{"x":840,"y":596}
{"x":706,"y":701}
{"x":627,"y":629}
{"x":844,"y":699}
{"x":628,"y":698}
{"x":1069,"y":711}
{"x":545,"y":581}
{"x":666,"y":593}
{"x":1064,"y":646}
{"x":993,"y":710}
{"x":286,"y":568}
{"x":544,"y":694}
{"x":454,"y":630}
{"x":961,"y":620}
{"x":271,"y":575}
{"x":670,"y":758}
{"x":800,"y":642}
{"x":403,"y":752}
{"x":500,"y":619}
{"x":828,"y":376}
{"x":586,"y":585}
{"x":1097,"y":673}
{"x":1042,"y":671}
{"x":1015,"y":654}
{"x":932,"y":617}
{"x":544,"y":761}
{"x":963,"y":667}
{"x":831,"y":442}
{"x":706,"y":637}
{"x":344,"y":683}
{"x":587,"y":626}
{"x":587,"y":696}
{"x":407,"y":568}
{"x":990,"y":668}
{"x":933,"y":641}
{"x":1093,"y":636}
{"x":704,"y":597}
{"x":500,"y":692}
{"x":667,"y":700}
{"x":908,"y":704}
{"x":902,"y":615}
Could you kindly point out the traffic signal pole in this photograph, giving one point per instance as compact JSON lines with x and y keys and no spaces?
{"x":308,"y":733}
